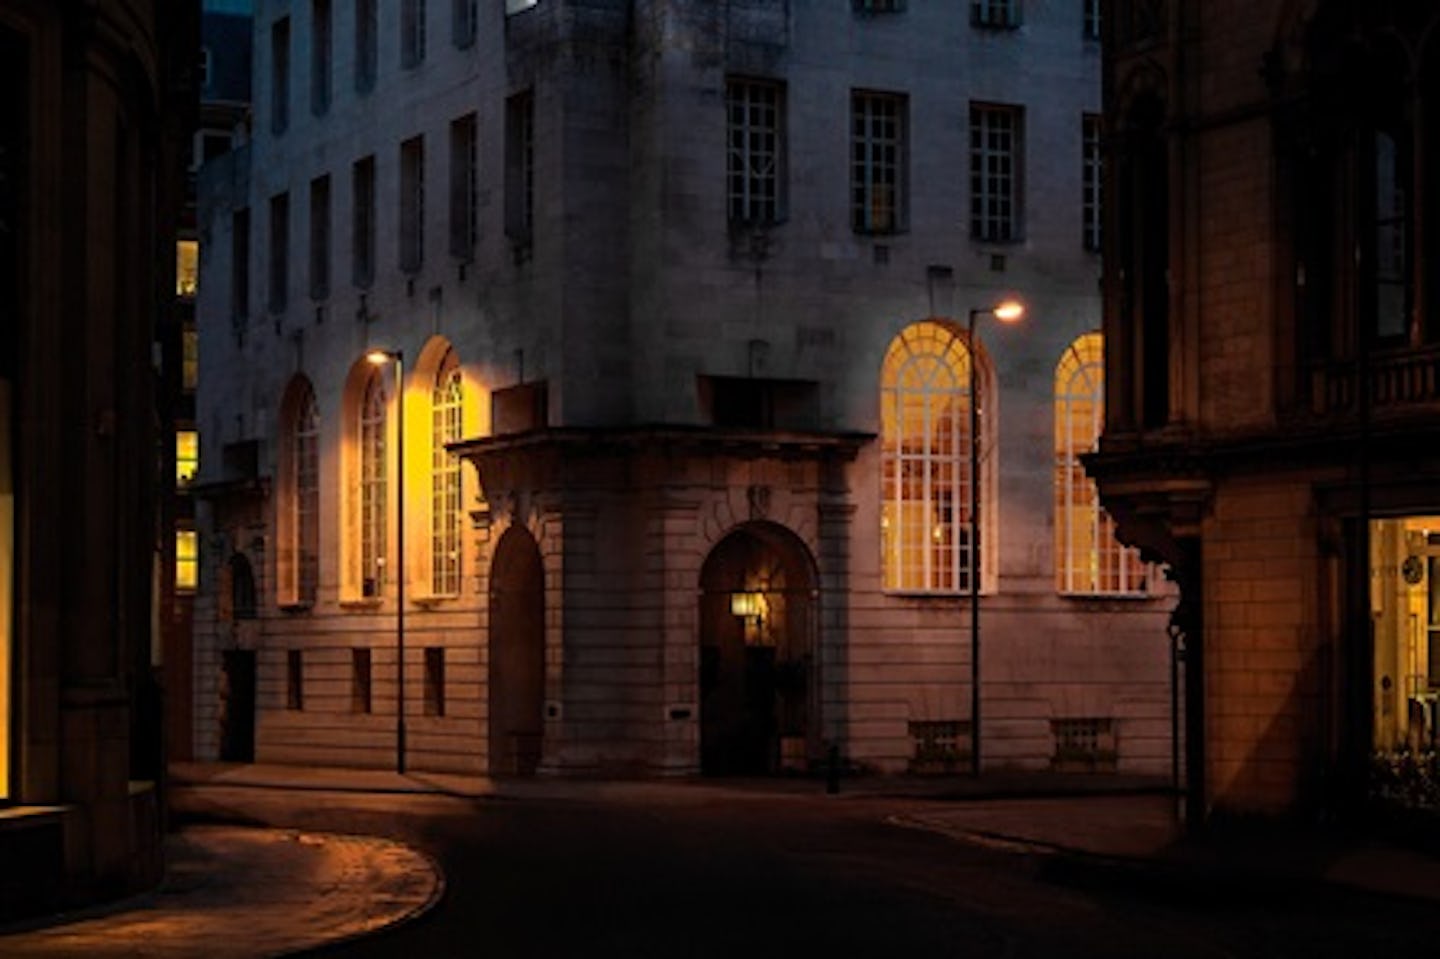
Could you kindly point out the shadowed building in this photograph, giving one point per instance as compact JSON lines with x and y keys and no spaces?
{"x":1273,"y":269}
{"x":92,"y":110}
{"x":680,"y":293}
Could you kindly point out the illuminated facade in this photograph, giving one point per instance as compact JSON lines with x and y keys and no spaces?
{"x":90,"y":191}
{"x":681,"y":293}
{"x":1272,"y":342}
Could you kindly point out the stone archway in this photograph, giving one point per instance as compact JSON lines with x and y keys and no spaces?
{"x":758,"y":679}
{"x":517,"y":655}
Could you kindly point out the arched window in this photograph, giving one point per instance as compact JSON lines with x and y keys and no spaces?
{"x":925,"y":523}
{"x":446,"y":407}
{"x":373,"y":515}
{"x":299,"y":496}
{"x":1089,"y":560}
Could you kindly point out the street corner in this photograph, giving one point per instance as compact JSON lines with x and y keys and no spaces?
{"x":234,"y":892}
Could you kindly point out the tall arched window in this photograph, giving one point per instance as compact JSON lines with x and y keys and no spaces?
{"x":1089,"y":560}
{"x":373,"y":514}
{"x":446,"y":407}
{"x":925,"y":524}
{"x":299,"y":499}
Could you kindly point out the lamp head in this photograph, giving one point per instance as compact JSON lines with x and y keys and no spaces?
{"x":379,"y":357}
{"x":1009,"y":310}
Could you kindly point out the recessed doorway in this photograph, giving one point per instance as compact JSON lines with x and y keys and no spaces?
{"x":517,"y":655}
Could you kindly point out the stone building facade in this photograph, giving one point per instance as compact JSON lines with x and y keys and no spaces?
{"x":1271,"y":390}
{"x":95,"y":99}
{"x":679,"y":295}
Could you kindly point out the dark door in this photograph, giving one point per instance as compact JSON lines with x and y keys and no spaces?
{"x":237,"y":706}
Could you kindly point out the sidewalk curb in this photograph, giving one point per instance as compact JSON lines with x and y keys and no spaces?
{"x":399,"y":922}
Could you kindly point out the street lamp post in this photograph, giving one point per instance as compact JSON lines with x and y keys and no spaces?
{"x":1006,"y":311}
{"x":384,"y":358}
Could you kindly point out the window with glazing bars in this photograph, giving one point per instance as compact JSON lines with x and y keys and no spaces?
{"x":366,"y":46}
{"x":412,"y":204}
{"x":464,"y":188}
{"x":372,"y":488}
{"x":1092,"y":183}
{"x":306,"y":459}
{"x":279,"y":251}
{"x":994,"y":172}
{"x":754,"y":159}
{"x":412,"y":33}
{"x":1090,"y":560}
{"x":995,"y":13}
{"x":320,"y":56}
{"x":1092,"y":19}
{"x":925,"y":524}
{"x":877,"y":162}
{"x":320,"y":237}
{"x":362,"y":211}
{"x":447,"y":408}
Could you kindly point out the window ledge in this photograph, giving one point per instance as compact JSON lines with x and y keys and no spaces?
{"x":364,"y":603}
{"x":935,"y":594}
{"x":295,"y":608}
{"x":1125,"y":597}
{"x":434,"y":599}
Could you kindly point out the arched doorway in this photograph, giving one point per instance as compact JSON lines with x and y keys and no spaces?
{"x":517,"y":654}
{"x":757,"y":654}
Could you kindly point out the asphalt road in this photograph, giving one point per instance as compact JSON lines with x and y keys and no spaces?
{"x":705,"y":874}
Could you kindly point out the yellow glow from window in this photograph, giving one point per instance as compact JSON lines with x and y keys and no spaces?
{"x":187,"y":267}
{"x":187,"y":456}
{"x":187,"y":560}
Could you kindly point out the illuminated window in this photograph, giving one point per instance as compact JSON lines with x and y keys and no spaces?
{"x":412,"y":204}
{"x":189,"y":358}
{"x":299,"y":496}
{"x":412,"y":33}
{"x":1090,"y":183}
{"x":754,"y":157}
{"x":372,"y":488}
{"x":995,"y":172}
{"x":925,"y":522}
{"x":187,"y":267}
{"x":446,"y":409}
{"x":1089,"y":560}
{"x":1004,"y":14}
{"x":877,"y":162}
{"x":187,"y":560}
{"x":187,"y":456}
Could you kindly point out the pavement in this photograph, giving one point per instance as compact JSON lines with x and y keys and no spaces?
{"x":243,"y":892}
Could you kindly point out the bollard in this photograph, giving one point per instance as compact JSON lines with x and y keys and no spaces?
{"x":832,"y":771}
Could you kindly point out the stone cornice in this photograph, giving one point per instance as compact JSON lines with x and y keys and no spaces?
{"x":695,"y":440}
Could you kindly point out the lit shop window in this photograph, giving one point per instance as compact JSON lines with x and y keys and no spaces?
{"x":187,"y":456}
{"x":187,"y":560}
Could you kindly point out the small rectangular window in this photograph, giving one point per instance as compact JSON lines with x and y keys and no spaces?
{"x":434,"y":681}
{"x":189,"y":358}
{"x":412,"y":204}
{"x":366,"y":47}
{"x":520,"y":168}
{"x":362,"y":182}
{"x":878,"y":6}
{"x":464,"y":188}
{"x":878,"y":161}
{"x":294,"y":680}
{"x":320,"y":57}
{"x":187,"y":456}
{"x":187,"y":560}
{"x":1092,"y":19}
{"x":465,"y":19}
{"x":412,"y":33}
{"x":997,"y":14}
{"x":995,"y":132}
{"x":280,"y":75}
{"x":755,"y":157}
{"x":1091,"y":190}
{"x":320,"y":237}
{"x":360,"y":694}
{"x":240,"y":265}
{"x":279,"y":251}
{"x":187,"y":268}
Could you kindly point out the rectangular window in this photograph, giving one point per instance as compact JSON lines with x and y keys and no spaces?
{"x":189,"y":358}
{"x":360,"y":695}
{"x":366,"y":47}
{"x":434,"y":681}
{"x":878,"y":6}
{"x":320,"y":57}
{"x":1000,"y":14}
{"x":412,"y":33}
{"x":520,"y":168}
{"x":362,"y":206}
{"x":755,"y":160}
{"x":464,"y":188}
{"x":1091,"y":181}
{"x":320,"y":237}
{"x":994,"y":172}
{"x":464,"y":20}
{"x":187,"y":456}
{"x":187,"y":560}
{"x":240,"y":265}
{"x":280,"y":75}
{"x":1092,"y":19}
{"x":187,"y":268}
{"x":294,"y":679}
{"x":877,"y":161}
{"x":279,"y":251}
{"x":412,"y":204}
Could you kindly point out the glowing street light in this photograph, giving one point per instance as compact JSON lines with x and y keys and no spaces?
{"x":379,"y":357}
{"x":1008,"y":310}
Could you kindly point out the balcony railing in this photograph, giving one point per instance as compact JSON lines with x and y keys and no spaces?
{"x":1396,"y":380}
